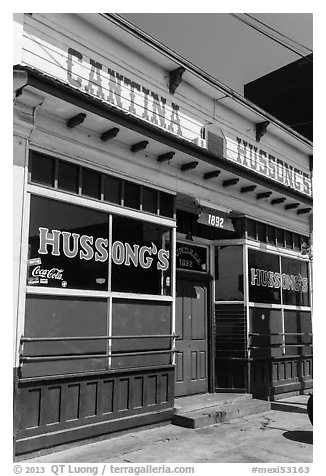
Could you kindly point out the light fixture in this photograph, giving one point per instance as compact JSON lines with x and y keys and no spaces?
{"x":189,"y":236}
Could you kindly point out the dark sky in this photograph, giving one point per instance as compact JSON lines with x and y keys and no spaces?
{"x":223,"y":46}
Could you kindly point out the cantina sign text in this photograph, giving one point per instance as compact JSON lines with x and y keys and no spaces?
{"x":111,"y":86}
{"x":85,"y":247}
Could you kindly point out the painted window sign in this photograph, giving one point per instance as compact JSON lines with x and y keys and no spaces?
{"x":191,"y":258}
{"x":295,"y":282}
{"x":215,"y":218}
{"x":142,"y":268}
{"x":68,"y":253}
{"x":271,"y":275}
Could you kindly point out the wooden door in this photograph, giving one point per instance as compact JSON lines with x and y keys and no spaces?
{"x":191,"y":344}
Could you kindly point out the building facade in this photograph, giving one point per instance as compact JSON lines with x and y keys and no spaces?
{"x":160,"y":224}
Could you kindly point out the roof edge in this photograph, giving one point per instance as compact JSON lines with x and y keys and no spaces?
{"x":196,"y":70}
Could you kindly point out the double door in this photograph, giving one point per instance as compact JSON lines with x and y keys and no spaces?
{"x":191,"y":344}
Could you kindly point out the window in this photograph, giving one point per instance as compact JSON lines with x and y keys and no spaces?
{"x":149,"y":200}
{"x":228,"y":273}
{"x":166,"y":204}
{"x":296,"y":242}
{"x":271,"y":234}
{"x":266,"y":327}
{"x":112,"y":189}
{"x":68,"y":177}
{"x":42,"y":169}
{"x":91,"y":183}
{"x":65,"y":176}
{"x":140,"y":258}
{"x":297,"y":324}
{"x":67,"y":246}
{"x":54,"y":316}
{"x":295,"y":282}
{"x":261,"y":231}
{"x":288,"y":239}
{"x":264,"y":277}
{"x":251,"y":229}
{"x":131,"y":195}
{"x":279,"y":237}
{"x":136,"y":318}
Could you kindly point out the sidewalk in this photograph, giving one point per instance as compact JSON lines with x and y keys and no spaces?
{"x":282,"y":435}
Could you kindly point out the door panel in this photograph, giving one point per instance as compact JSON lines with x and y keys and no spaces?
{"x":191,"y":344}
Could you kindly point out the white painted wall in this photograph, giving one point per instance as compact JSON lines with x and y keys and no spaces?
{"x":47,"y":38}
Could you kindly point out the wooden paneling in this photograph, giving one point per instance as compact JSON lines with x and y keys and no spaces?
{"x":269,"y":377}
{"x":60,"y":410}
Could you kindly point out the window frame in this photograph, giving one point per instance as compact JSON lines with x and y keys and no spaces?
{"x":285,"y":253}
{"x":111,"y":210}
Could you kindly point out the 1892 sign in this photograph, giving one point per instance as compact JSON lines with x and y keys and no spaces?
{"x":215,"y":218}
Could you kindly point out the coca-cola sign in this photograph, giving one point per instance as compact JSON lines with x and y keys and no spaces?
{"x":53,"y":273}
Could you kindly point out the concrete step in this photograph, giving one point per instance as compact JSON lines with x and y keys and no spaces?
{"x":206,"y":400}
{"x":220,"y":413}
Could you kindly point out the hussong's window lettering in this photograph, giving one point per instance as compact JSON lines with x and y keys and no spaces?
{"x":67,"y":246}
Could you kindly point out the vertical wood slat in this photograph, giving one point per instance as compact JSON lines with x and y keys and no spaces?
{"x":61,"y":404}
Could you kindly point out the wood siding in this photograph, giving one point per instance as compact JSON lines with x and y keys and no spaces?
{"x":272,"y":377}
{"x":60,"y":410}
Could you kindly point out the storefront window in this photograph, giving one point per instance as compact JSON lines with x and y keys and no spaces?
{"x":264,"y":277}
{"x":42,"y":169}
{"x":295,"y":283}
{"x":112,"y":189}
{"x":140,"y":318}
{"x":140,"y":257}
{"x":228,"y":273}
{"x":265,"y":332}
{"x":68,"y":246}
{"x":68,"y":177}
{"x":298,"y":329}
{"x":60,"y":318}
{"x":149,"y":200}
{"x":91,"y":183}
